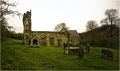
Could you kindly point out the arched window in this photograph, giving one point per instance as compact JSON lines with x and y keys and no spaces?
{"x":52,"y":41}
{"x":59,"y":42}
{"x":34,"y":42}
{"x":29,"y":42}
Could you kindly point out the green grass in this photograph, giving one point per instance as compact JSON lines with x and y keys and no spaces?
{"x":16,"y":56}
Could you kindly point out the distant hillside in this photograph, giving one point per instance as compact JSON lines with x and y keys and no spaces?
{"x":101,"y":37}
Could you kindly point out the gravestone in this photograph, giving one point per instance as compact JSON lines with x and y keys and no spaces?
{"x":66,"y":46}
{"x":81,"y":52}
{"x":107,"y":54}
{"x":74,"y":51}
{"x":87,"y":48}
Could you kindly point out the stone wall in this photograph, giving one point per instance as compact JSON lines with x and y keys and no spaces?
{"x":48,"y":38}
{"x":74,"y":41}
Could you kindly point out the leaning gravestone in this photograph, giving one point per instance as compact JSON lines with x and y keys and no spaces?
{"x":81,"y":52}
{"x":107,"y":54}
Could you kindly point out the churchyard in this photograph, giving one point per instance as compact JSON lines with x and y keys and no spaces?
{"x":16,"y":56}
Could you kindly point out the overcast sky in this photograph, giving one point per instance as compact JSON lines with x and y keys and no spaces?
{"x":46,"y":14}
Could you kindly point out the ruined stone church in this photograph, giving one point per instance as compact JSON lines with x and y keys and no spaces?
{"x":47,"y":38}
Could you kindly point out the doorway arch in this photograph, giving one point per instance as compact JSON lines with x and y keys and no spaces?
{"x":34,"y":42}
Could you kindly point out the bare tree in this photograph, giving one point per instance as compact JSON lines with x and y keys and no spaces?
{"x":5,"y":9}
{"x":60,"y":26}
{"x":91,"y":25}
{"x":111,"y":18}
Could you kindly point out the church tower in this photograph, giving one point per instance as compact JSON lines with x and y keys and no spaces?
{"x":27,"y":27}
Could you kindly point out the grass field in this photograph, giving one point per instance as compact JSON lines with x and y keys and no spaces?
{"x":16,"y":56}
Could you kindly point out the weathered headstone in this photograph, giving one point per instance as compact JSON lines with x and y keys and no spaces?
{"x":74,"y":51}
{"x":87,"y":48}
{"x":65,"y":48}
{"x":81,"y":52}
{"x":65,"y":45}
{"x":107,"y":54}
